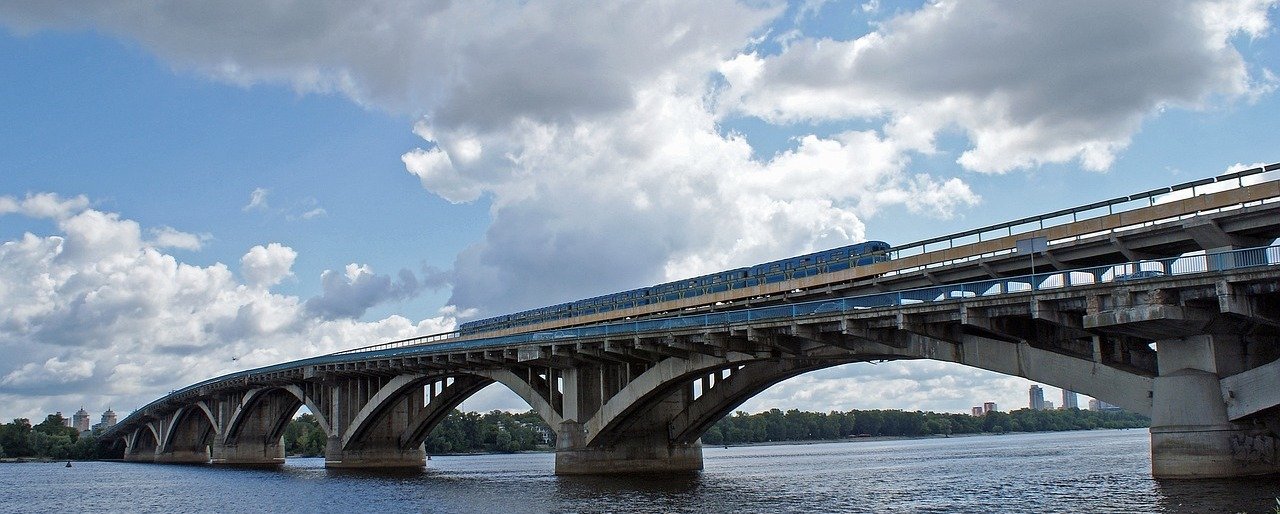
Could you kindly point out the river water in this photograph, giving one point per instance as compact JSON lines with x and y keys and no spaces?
{"x":1097,"y":471}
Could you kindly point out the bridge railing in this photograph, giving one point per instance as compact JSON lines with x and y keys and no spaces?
{"x":1072,"y":215}
{"x":1125,"y":272}
{"x":401,"y":343}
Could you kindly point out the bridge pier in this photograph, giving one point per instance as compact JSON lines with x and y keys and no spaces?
{"x":381,"y":456}
{"x":183,"y":457}
{"x":248,"y":454}
{"x":651,"y":454}
{"x":1191,"y":433}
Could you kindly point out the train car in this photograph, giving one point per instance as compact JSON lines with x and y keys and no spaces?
{"x":826,"y":261}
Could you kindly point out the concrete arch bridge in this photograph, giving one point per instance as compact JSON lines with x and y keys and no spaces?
{"x":1190,"y":341}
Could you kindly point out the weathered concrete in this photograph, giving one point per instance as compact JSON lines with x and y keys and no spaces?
{"x":1191,"y":433}
{"x":248,"y":453}
{"x":380,"y":456}
{"x":651,"y":454}
{"x":183,"y":457}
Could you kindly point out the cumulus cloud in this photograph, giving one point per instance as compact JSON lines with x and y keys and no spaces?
{"x":266,"y":266}
{"x":169,"y":237}
{"x":1027,"y":82}
{"x":351,"y":293}
{"x":657,"y":193}
{"x":95,"y":314}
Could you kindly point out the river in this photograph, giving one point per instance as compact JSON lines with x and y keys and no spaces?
{"x":1096,"y":471}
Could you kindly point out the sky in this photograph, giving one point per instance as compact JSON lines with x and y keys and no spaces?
{"x":193,"y":188}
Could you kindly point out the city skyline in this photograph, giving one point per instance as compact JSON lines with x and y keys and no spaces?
{"x":191,"y":191}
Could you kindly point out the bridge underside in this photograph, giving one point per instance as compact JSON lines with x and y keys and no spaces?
{"x":1198,"y":354}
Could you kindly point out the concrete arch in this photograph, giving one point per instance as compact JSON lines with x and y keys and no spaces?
{"x":426,"y":419}
{"x":727,"y":395}
{"x":249,"y":408}
{"x":306,"y":400}
{"x":654,"y":385}
{"x":524,"y":390}
{"x":657,"y":385}
{"x":390,"y":393}
{"x":186,"y":423}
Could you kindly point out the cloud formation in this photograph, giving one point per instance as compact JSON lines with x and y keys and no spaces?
{"x":1027,"y":82}
{"x":96,"y":314}
{"x":351,"y":293}
{"x":597,"y":138}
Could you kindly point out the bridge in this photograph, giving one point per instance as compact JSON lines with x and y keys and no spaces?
{"x":1165,"y":303}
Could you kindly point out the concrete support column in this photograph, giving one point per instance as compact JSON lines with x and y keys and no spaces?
{"x":385,"y":456}
{"x":381,"y":417}
{"x":648,"y":453}
{"x":249,"y":453}
{"x":254,"y":437}
{"x":1191,"y":435}
{"x":646,"y":448}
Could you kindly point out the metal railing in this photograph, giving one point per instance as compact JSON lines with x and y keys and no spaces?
{"x":1071,"y":215}
{"x":1125,"y":272}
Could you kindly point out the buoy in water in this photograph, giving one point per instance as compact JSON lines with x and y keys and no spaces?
{"x":68,"y":464}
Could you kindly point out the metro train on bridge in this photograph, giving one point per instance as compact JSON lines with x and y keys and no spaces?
{"x":826,"y":261}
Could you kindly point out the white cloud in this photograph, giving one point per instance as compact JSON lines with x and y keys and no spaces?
{"x":44,"y":205}
{"x":350,"y":294}
{"x":313,"y":213}
{"x":169,"y":237}
{"x":266,"y":266}
{"x":257,"y":200}
{"x":1027,"y":82}
{"x":97,"y":315}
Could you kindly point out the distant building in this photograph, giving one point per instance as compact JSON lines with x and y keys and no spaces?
{"x":1048,"y":405}
{"x":1069,"y":400}
{"x":1037,"y":397}
{"x":108,"y":420}
{"x":989,"y":407}
{"x":80,"y":421}
{"x":977,"y":411}
{"x":1099,"y":405}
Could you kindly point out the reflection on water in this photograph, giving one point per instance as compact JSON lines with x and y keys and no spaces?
{"x":1102,"y":471}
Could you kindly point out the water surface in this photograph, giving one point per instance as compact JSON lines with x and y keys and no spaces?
{"x":1097,"y":471}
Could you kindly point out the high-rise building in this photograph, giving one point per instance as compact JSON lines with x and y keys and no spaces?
{"x":1048,"y":405}
{"x":1069,"y":400}
{"x":1093,"y":404}
{"x":988,"y":407}
{"x":977,"y":411}
{"x":108,"y":421}
{"x":1037,"y":397}
{"x":109,"y":418}
{"x":80,"y":420}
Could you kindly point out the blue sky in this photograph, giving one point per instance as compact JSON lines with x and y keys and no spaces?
{"x":439,"y":161}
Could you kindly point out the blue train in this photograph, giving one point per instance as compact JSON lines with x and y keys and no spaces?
{"x":826,"y":261}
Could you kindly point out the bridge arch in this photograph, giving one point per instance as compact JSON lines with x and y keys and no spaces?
{"x":662,"y":399}
{"x":263,"y":412}
{"x":190,"y":431}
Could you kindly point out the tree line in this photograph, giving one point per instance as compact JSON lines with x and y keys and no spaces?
{"x":459,"y":432}
{"x":795,"y":425}
{"x":51,"y":439}
{"x":504,"y":432}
